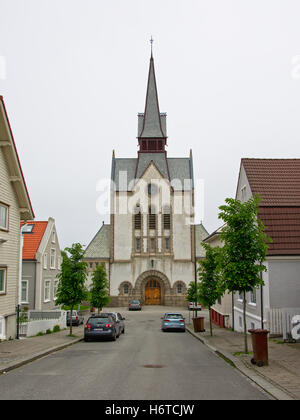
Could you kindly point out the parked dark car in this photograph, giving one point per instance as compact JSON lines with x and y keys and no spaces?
{"x":100,"y":326}
{"x":119,"y":320}
{"x":173,"y":321}
{"x":135,"y":305}
{"x":77,"y":318}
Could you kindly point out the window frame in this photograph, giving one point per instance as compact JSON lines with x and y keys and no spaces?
{"x":3,"y":291}
{"x":55,"y":286}
{"x":6,"y":227}
{"x":24,"y":301}
{"x":47,"y":288}
{"x":53,"y":267}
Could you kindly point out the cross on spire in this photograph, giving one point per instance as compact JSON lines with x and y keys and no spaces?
{"x":151,"y":42}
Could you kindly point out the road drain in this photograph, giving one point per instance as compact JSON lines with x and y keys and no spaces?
{"x":153,"y":366}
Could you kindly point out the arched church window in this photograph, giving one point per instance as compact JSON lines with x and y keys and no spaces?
{"x":179,"y":288}
{"x":126,"y":289}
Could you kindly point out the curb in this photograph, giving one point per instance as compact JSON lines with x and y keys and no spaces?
{"x":22,"y":362}
{"x":261,"y":381}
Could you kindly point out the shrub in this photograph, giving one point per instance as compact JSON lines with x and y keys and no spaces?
{"x":56,"y":328}
{"x":48,"y":331}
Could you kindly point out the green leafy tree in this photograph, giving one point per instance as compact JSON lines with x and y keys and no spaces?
{"x":99,"y":292}
{"x":71,"y":290}
{"x":209,"y":286}
{"x":245,"y":248}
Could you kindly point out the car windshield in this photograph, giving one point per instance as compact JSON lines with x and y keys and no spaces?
{"x":135,"y":302}
{"x":173,"y":316}
{"x":99,"y":320}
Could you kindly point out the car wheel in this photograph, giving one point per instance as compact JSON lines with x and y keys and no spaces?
{"x":123,"y":332}
{"x":114,"y":338}
{"x":86,"y":339}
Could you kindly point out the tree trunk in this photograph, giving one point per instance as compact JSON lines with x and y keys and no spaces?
{"x":210,"y":322}
{"x":245,"y":323}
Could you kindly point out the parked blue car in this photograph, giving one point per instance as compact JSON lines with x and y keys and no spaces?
{"x":173,"y":321}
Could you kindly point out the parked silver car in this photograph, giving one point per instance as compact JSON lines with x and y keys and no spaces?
{"x":77,"y":318}
{"x":135,"y":305}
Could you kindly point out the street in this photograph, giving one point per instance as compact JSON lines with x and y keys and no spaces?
{"x":143,"y":364}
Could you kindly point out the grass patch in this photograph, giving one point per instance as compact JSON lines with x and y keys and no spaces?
{"x":226,"y":359}
{"x":242,"y":353}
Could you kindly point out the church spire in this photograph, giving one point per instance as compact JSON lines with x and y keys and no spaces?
{"x":152,"y":124}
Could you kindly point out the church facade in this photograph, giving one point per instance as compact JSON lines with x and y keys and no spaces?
{"x":151,"y":245}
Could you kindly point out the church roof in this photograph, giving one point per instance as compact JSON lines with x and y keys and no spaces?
{"x":99,"y":247}
{"x":179,"y":169}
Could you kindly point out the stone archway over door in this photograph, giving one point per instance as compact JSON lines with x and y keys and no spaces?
{"x":165,"y":287}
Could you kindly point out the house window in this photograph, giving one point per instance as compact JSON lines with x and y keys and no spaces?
{"x":220,"y":301}
{"x":126,"y":289}
{"x":47,"y":291}
{"x":27,"y":228}
{"x":252,"y":326}
{"x":244,"y":193}
{"x":24,"y":291}
{"x":241,"y":296}
{"x":179,"y":288}
{"x":55,"y":289}
{"x":137,"y":244}
{"x":253,"y":296}
{"x":167,"y":244}
{"x":3,"y":217}
{"x":91,"y":265}
{"x":45,"y":261}
{"x":53,"y":237}
{"x":2,"y":280}
{"x":52,"y":258}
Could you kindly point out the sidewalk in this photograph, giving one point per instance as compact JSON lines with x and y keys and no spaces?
{"x":281,"y":378}
{"x":15,"y":353}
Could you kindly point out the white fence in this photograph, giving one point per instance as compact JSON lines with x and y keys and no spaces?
{"x":280,"y":321}
{"x":42,"y":321}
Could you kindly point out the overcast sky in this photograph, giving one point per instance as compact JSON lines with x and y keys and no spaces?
{"x":73,"y":74}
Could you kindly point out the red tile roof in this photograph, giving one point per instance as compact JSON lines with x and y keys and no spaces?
{"x":32,"y":240}
{"x":283,"y":226}
{"x":277,"y":181}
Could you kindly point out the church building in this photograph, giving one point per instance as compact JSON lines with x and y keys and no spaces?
{"x":151,"y":244}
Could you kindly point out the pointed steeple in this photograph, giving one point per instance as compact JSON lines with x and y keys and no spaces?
{"x":151,"y":126}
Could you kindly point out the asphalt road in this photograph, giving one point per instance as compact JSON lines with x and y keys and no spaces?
{"x":143,"y":364}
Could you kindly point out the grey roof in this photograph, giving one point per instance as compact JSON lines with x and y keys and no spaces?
{"x":99,"y":247}
{"x":180,"y":170}
{"x":159,"y":160}
{"x":201,"y":234}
